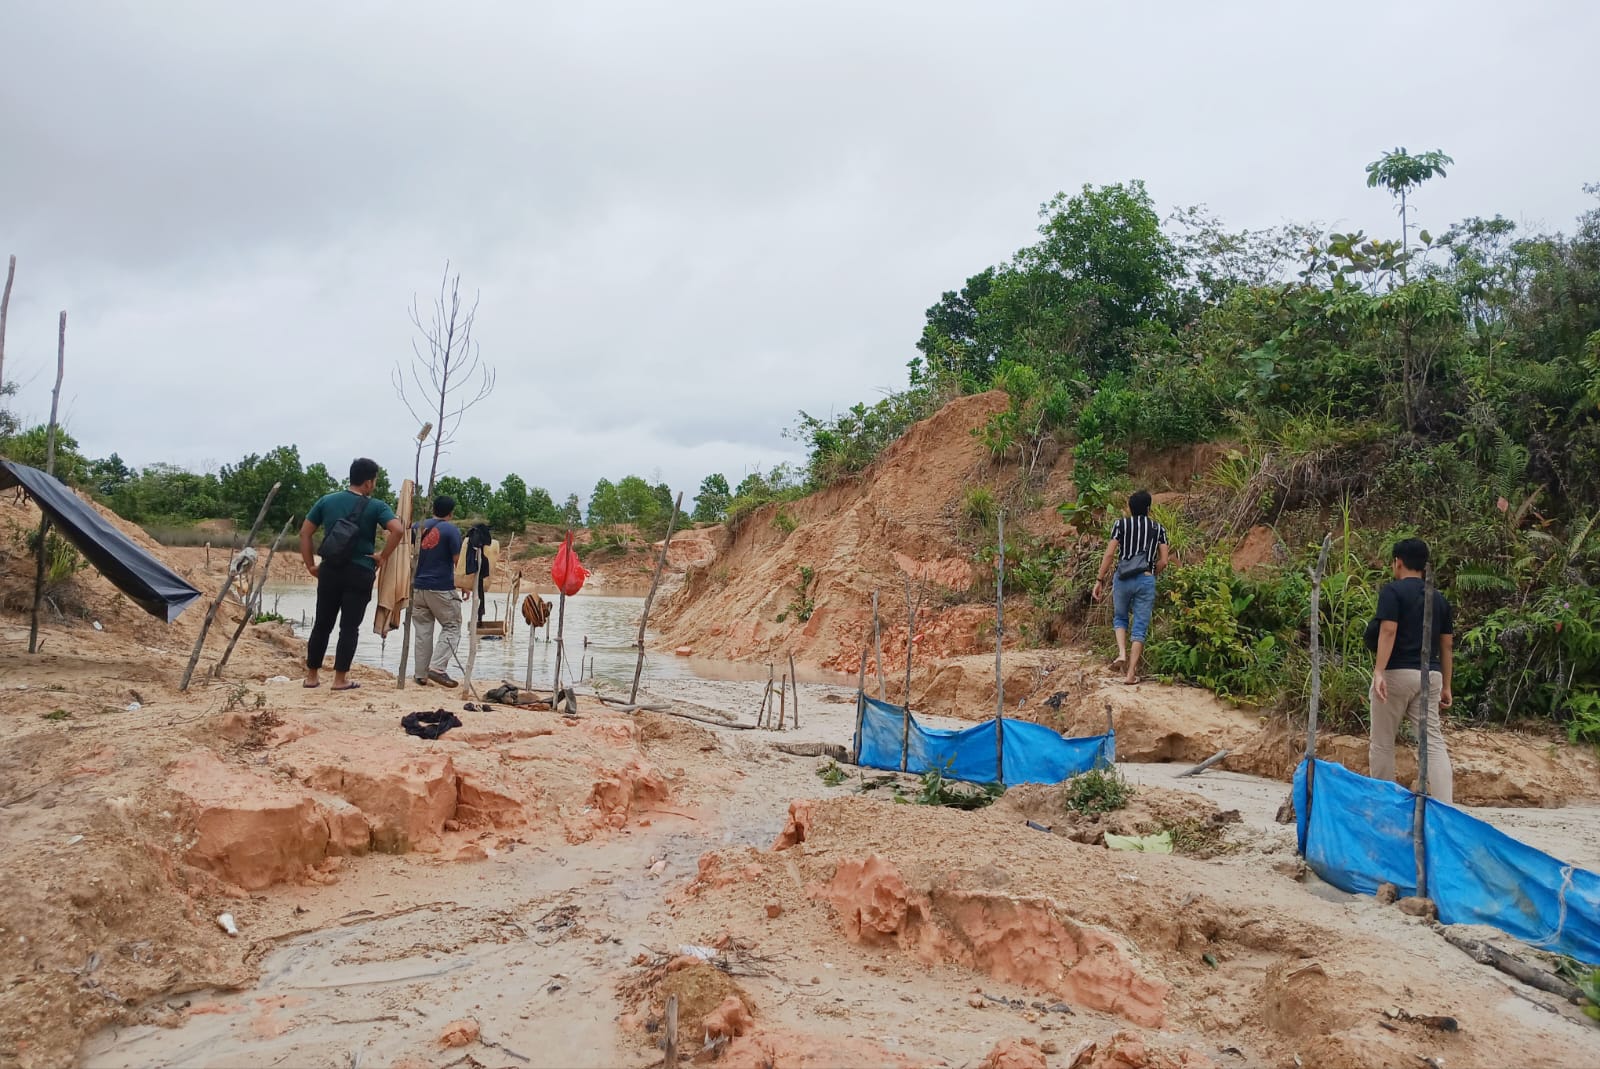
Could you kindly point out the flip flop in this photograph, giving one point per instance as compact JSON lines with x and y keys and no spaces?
{"x":312,"y":686}
{"x":349,"y":686}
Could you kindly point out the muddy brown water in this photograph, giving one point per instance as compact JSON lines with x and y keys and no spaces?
{"x":600,"y":631}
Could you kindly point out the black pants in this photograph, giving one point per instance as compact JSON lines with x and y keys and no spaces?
{"x":343,"y":591}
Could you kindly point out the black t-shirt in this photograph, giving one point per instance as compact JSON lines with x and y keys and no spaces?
{"x":1401,"y":601}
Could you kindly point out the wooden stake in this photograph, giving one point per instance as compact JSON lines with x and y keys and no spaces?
{"x":561,"y":635}
{"x":1419,"y":814}
{"x":670,"y":1058}
{"x":661,"y":564}
{"x":5,"y":306}
{"x":49,"y":468}
{"x":905,"y":717}
{"x":877,"y":649}
{"x":472,"y":620}
{"x":861,"y":705}
{"x":999,"y":638}
{"x":528,"y":679}
{"x":227,"y":582}
{"x":794,"y":681}
{"x":783,"y":700}
{"x":252,"y":602}
{"x":1314,"y":708}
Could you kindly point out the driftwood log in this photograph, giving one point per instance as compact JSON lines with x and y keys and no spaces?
{"x":1513,"y":966}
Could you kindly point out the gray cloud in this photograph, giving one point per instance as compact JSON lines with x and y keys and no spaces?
{"x":686,"y":221}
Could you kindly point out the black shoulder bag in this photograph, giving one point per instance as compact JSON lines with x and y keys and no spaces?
{"x":339,"y":544}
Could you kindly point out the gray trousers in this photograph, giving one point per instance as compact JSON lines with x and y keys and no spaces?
{"x":427,"y":608}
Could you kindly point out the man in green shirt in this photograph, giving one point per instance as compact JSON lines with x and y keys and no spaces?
{"x":344,"y":587}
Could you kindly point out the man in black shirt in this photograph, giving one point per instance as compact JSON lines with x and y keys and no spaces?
{"x":1397,"y":673}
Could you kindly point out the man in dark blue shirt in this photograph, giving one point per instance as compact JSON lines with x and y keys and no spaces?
{"x":434,"y":598}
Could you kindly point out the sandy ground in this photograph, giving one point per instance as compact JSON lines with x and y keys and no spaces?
{"x":539,"y":876}
{"x":541,"y":941}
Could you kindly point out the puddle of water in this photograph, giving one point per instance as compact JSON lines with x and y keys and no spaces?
{"x":601,"y":628}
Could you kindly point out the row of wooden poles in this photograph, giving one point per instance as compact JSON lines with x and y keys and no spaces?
{"x":1419,"y":811}
{"x":911,"y":632}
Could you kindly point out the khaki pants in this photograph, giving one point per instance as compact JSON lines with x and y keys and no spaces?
{"x":1405,"y":700}
{"x":427,"y":608}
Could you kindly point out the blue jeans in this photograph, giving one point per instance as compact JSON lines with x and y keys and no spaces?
{"x":1136,"y":596}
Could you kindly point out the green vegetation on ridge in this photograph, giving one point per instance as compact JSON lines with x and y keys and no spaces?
{"x":1443,"y":385}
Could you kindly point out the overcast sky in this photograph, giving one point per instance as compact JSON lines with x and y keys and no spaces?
{"x":686,"y":220}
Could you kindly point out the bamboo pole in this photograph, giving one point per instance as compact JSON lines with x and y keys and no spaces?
{"x":877,"y":649}
{"x":861,"y":706}
{"x":49,"y":469}
{"x":999,"y":638}
{"x":472,"y":620}
{"x":227,"y":582}
{"x":528,"y":679}
{"x":5,"y":307}
{"x":905,"y":710}
{"x":561,"y":633}
{"x":794,"y":681}
{"x":416,"y":559}
{"x":1420,"y":812}
{"x":252,"y":602}
{"x":661,"y":564}
{"x":1314,"y":708}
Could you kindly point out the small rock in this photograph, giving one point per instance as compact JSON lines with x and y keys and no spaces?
{"x":1418,"y":907}
{"x":1050,"y":1046}
{"x":976,"y":1002}
{"x":730,"y":1019}
{"x":1387,"y":894}
{"x":684,"y":651}
{"x":459,"y":1033}
{"x":774,"y":910}
{"x":452,"y":825}
{"x":1294,"y":868}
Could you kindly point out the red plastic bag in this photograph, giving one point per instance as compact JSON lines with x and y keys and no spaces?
{"x":567,"y":573}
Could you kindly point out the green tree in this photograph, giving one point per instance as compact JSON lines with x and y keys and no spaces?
{"x":165,"y":493}
{"x":472,"y":495}
{"x":31,"y":447}
{"x":109,"y":475}
{"x":245,"y":486}
{"x":508,"y":510}
{"x":541,"y":508}
{"x":1400,"y":172}
{"x":605,"y":505}
{"x":711,"y":504}
{"x":571,"y":514}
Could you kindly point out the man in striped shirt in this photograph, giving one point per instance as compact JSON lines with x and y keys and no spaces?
{"x":1135,"y":555}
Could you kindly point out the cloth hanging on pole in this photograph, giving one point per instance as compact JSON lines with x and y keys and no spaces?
{"x":151,"y":585}
{"x":393,"y":587}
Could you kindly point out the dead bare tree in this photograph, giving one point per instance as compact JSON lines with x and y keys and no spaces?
{"x":447,"y":376}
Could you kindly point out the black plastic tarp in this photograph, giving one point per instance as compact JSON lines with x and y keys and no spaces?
{"x":154,"y":587}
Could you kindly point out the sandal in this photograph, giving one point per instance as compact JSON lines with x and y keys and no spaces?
{"x":311,"y":686}
{"x":349,"y":686}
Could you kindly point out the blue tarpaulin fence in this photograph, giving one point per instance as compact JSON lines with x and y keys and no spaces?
{"x":1033,"y":753}
{"x":1359,"y":835}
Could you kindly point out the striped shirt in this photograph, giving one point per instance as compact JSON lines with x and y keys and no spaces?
{"x":1138,"y":536}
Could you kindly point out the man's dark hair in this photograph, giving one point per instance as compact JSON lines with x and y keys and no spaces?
{"x":443,"y":505}
{"x":1139,"y":503}
{"x":1413,"y":553}
{"x":362,"y":469}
